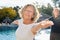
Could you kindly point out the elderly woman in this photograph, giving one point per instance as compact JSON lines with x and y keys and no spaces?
{"x":55,"y":29}
{"x":27,"y":24}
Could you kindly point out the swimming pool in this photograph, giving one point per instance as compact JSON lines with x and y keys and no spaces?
{"x":7,"y":35}
{"x":7,"y":32}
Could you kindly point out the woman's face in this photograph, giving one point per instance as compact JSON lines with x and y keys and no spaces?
{"x":56,"y":12}
{"x":28,"y":13}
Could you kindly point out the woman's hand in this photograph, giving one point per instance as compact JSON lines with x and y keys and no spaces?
{"x":46,"y":23}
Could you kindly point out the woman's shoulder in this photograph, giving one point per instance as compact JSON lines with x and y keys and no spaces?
{"x":19,"y":20}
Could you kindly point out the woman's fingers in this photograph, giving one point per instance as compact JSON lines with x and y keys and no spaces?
{"x":46,"y":23}
{"x":50,"y":22}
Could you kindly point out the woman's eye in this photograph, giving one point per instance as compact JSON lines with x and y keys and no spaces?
{"x":28,"y":11}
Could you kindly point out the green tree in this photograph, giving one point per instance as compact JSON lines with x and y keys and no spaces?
{"x":47,"y":10}
{"x":55,"y":2}
{"x":7,"y":12}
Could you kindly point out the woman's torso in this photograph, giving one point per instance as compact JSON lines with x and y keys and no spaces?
{"x":56,"y":27}
{"x":23,"y":32}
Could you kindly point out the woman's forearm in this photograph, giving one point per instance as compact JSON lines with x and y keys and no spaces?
{"x":36,"y":28}
{"x":41,"y":25}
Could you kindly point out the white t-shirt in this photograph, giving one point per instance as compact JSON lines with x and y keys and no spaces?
{"x":23,"y":32}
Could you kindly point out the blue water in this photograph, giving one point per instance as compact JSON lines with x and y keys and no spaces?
{"x":7,"y":35}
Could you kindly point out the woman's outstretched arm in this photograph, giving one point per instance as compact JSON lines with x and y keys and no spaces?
{"x":15,"y":22}
{"x":42,"y":24}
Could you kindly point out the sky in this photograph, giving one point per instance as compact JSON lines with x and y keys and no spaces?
{"x":12,"y":3}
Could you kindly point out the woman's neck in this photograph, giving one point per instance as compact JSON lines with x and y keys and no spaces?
{"x":55,"y":16}
{"x":27,"y":21}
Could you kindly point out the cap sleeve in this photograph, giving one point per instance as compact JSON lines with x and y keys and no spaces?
{"x":20,"y":21}
{"x":35,"y":24}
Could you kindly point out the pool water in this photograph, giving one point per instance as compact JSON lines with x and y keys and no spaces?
{"x":10,"y":35}
{"x":7,"y":35}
